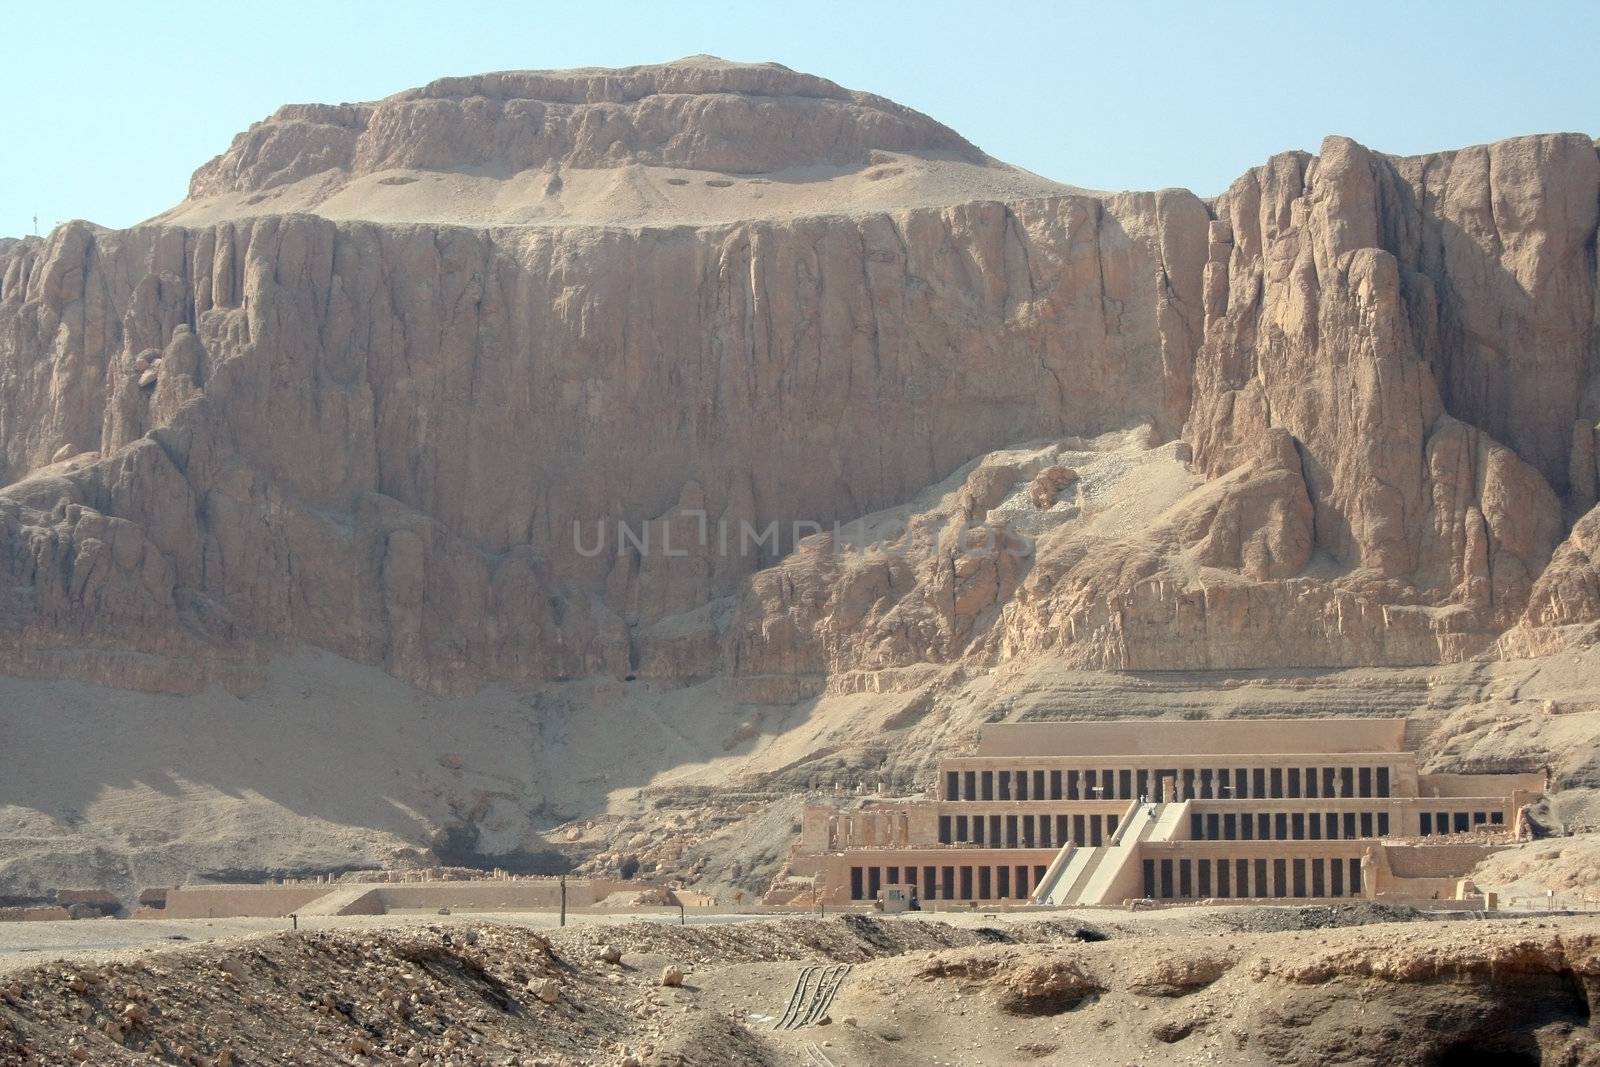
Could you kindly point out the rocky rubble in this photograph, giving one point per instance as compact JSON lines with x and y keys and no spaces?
{"x":1252,"y":986}
{"x":435,"y":995}
{"x":439,"y":994}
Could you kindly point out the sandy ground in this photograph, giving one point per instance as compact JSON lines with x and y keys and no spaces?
{"x":28,"y":944}
{"x":1184,"y":985}
{"x":1561,"y":872}
{"x":632,"y":195}
{"x":123,"y":789}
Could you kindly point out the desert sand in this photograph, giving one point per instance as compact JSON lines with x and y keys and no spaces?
{"x":1193,"y":985}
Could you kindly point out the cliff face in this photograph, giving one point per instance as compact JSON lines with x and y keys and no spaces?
{"x":701,"y":113}
{"x":1368,"y":388}
{"x":383,"y":441}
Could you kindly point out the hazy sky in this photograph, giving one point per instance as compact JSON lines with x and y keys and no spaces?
{"x":109,"y":106}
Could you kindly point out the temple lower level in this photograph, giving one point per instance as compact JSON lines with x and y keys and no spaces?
{"x":1087,"y":813}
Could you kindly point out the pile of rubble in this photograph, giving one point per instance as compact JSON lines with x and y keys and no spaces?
{"x":439,"y":994}
{"x":919,"y":991}
{"x":668,"y":838}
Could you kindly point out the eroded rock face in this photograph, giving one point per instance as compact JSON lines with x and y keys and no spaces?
{"x":1049,"y":484}
{"x":701,"y":113}
{"x":1336,"y":290}
{"x":1526,"y":999}
{"x":413,"y":446}
{"x":1365,"y":384}
{"x":1567,"y":594}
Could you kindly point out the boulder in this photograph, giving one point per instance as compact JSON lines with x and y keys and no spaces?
{"x":1048,"y":484}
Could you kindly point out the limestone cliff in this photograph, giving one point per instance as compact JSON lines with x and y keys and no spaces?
{"x":702,"y":113}
{"x":389,"y":379}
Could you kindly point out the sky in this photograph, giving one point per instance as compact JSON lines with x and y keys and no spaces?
{"x":110,"y":106}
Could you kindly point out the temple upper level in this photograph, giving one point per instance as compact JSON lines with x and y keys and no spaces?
{"x":1192,"y":738}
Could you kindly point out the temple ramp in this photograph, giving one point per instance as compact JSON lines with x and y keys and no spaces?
{"x":1075,"y":864}
{"x":1063,"y":872}
{"x":1169,"y":823}
{"x":348,"y":900}
{"x":1109,"y":873}
{"x":1118,"y":876}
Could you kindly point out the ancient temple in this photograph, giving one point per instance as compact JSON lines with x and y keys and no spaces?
{"x":1079,"y":813}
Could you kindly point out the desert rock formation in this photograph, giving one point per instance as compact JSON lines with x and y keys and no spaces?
{"x":702,"y":113}
{"x":381,"y":439}
{"x":386,"y":383}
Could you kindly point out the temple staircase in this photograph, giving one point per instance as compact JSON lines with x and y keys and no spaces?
{"x":1088,"y":874}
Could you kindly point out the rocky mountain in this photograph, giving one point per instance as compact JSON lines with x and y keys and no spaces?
{"x":416,"y":383}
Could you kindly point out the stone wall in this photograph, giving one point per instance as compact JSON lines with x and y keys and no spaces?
{"x":1480,"y":785}
{"x":482,"y":894}
{"x":1438,"y":861}
{"x":1184,"y":738}
{"x":216,"y":902}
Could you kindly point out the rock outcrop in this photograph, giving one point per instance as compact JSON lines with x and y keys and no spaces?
{"x":700,"y":113}
{"x":1343,"y":289}
{"x":1366,"y":387}
{"x":1565,"y":600}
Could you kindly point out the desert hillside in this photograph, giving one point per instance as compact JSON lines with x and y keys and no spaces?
{"x":413,"y":438}
{"x":1253,"y":987}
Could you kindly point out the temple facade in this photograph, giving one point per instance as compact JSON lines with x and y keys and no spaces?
{"x":1107,"y":812}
